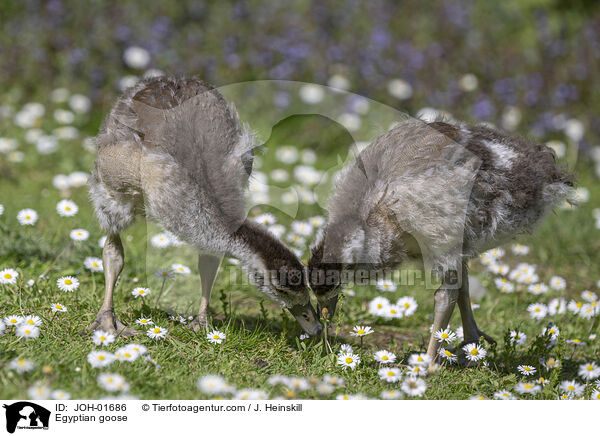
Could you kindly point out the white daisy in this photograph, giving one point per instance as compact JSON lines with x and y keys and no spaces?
{"x":140,"y":292}
{"x":213,"y":384}
{"x":302,"y":228}
{"x":589,"y":371}
{"x":100,"y":359}
{"x":417,"y":371}
{"x":27,"y":331}
{"x":144,"y":321}
{"x":27,"y":217}
{"x":414,"y":387}
{"x":589,"y":310}
{"x":277,"y":229}
{"x":537,"y":288}
{"x":384,"y":356}
{"x":557,"y":306}
{"x":558,"y":283}
{"x":504,"y":395}
{"x":31,"y":320}
{"x":157,"y":332}
{"x":21,"y":365}
{"x":408,"y":304}
{"x":126,"y":354}
{"x":474,"y":352}
{"x":386,"y":285}
{"x":160,"y":240}
{"x":504,"y":285}
{"x":361,"y":330}
{"x":216,"y":337}
{"x":551,"y":331}
{"x":378,"y":306}
{"x":68,"y":284}
{"x":163,"y":274}
{"x":57,"y":307}
{"x":295,"y":239}
{"x":180,"y":269}
{"x":59,"y":394}
{"x":66,"y":208}
{"x":139,"y":349}
{"x":571,"y":387}
{"x":595,"y":395}
{"x":348,"y":360}
{"x":93,"y":264}
{"x":113,"y":382}
{"x":537,"y":310}
{"x":287,"y":154}
{"x":390,"y":375}
{"x":520,"y":249}
{"x":527,"y":369}
{"x":589,"y":296}
{"x":419,"y":359}
{"x":251,"y":394}
{"x":79,"y":235}
{"x":8,"y":276}
{"x":447,"y":355}
{"x":445,"y":336}
{"x":499,"y":268}
{"x":12,"y":320}
{"x":517,"y":337}
{"x":551,"y":363}
{"x":333,"y":380}
{"x":100,"y":337}
{"x":346,"y":348}
{"x":316,"y":221}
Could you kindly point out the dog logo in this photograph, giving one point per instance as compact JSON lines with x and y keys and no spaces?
{"x":26,"y":415}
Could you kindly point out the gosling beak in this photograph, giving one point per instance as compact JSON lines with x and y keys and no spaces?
{"x":307,"y":318}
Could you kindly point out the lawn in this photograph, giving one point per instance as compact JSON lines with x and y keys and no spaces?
{"x":263,"y":342}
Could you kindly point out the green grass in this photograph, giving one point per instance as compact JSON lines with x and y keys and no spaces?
{"x":261,"y":339}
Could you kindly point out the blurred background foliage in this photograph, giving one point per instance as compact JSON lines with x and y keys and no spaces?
{"x":540,"y":55}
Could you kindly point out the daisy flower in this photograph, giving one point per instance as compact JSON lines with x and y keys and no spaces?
{"x":577,"y":342}
{"x":21,"y":365}
{"x":160,"y":240}
{"x":391,"y":395}
{"x":66,"y":208}
{"x":409,"y":304}
{"x":445,"y":336}
{"x":557,"y":306}
{"x":140,"y":292}
{"x":537,"y":310}
{"x":419,"y":359}
{"x":390,"y":375}
{"x":216,"y":337}
{"x":251,"y":394}
{"x":100,"y":337}
{"x":346,"y":348}
{"x":542,"y":381}
{"x":348,"y":360}
{"x":414,"y":387}
{"x":574,"y":306}
{"x":588,"y":311}
{"x":31,"y":320}
{"x":589,"y":371}
{"x":163,"y":274}
{"x":447,"y":355}
{"x":589,"y":296}
{"x":302,"y":228}
{"x":384,"y":356}
{"x":504,"y":395}
{"x":157,"y":332}
{"x":100,"y":359}
{"x":39,"y":391}
{"x":27,"y":331}
{"x":385,"y":285}
{"x":12,"y":320}
{"x":295,"y":239}
{"x":59,"y":394}
{"x":277,"y":229}
{"x":79,"y":234}
{"x":140,"y":349}
{"x":520,"y":249}
{"x":537,"y":289}
{"x":528,"y":388}
{"x":393,"y":311}
{"x":526,"y":369}
{"x":316,"y":221}
{"x":213,"y":384}
{"x":504,"y":285}
{"x":180,"y":269}
{"x":93,"y":264}
{"x":378,"y":305}
{"x":417,"y":371}
{"x":144,"y":321}
{"x":8,"y":276}
{"x":551,"y":331}
{"x":558,"y":283}
{"x":113,"y":382}
{"x":126,"y":354}
{"x":333,"y":380}
{"x":517,"y":337}
{"x":571,"y":387}
{"x":499,"y":268}
{"x":57,"y":307}
{"x":268,"y":219}
{"x":279,"y":175}
{"x":27,"y":217}
{"x":348,"y":292}
{"x":552,"y":363}
{"x":68,"y":284}
{"x":474,"y":352}
{"x":361,"y":330}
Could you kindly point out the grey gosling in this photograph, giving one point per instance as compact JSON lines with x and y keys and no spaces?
{"x":174,"y":150}
{"x":438,"y":192}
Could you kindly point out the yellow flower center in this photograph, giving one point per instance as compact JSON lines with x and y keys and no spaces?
{"x":576,"y":341}
{"x":348,"y":359}
{"x":27,"y":332}
{"x":68,"y":282}
{"x":419,"y":359}
{"x":13,"y":321}
{"x":393,"y":311}
{"x":407,"y":305}
{"x":27,"y":217}
{"x":571,"y":388}
{"x":30,"y":322}
{"x":216,"y":337}
{"x":103,"y":338}
{"x":579,"y":304}
{"x":101,"y":357}
{"x":445,"y":335}
{"x":447,"y":353}
{"x":58,"y":306}
{"x":384,"y":358}
{"x":361,"y":332}
{"x":390,"y":373}
{"x":21,"y":361}
{"x":127,"y":355}
{"x":474,"y":352}
{"x":379,"y":306}
{"x":590,"y":368}
{"x":95,"y":264}
{"x":157,"y":330}
{"x":67,"y":208}
{"x":7,"y":276}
